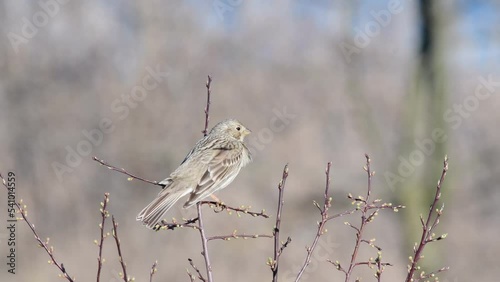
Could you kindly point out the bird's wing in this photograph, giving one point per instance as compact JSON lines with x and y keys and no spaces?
{"x":191,"y":152}
{"x":221,"y":171}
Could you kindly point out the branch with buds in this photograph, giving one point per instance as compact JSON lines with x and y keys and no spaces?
{"x":428,"y":235}
{"x":43,"y":244}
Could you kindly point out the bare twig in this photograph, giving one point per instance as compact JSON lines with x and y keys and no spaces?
{"x":378,"y":263}
{"x":191,"y":276}
{"x":369,"y":210}
{"x":371,"y":263}
{"x":207,"y":108}
{"x":204,"y":243}
{"x":200,"y":276}
{"x":153,"y":271}
{"x":219,"y":207}
{"x":189,"y":223}
{"x":425,"y":276}
{"x":104,"y":215}
{"x":279,"y":246}
{"x":321,"y":226}
{"x":427,"y":229}
{"x":120,"y":257}
{"x":348,"y":212}
{"x":122,"y":170}
{"x":365,"y":218}
{"x":238,"y":236}
{"x":380,"y":267}
{"x":216,"y":207}
{"x":44,"y":245}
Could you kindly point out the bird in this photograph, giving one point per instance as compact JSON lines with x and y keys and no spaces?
{"x":210,"y":166}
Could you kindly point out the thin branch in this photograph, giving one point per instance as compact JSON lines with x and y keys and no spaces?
{"x":380,"y":267}
{"x":369,"y":210}
{"x":191,"y":276}
{"x":424,"y":276}
{"x":197,"y":271}
{"x":428,"y":226}
{"x":120,"y":257}
{"x":219,"y":207}
{"x":364,"y":221}
{"x":341,"y":214}
{"x":279,"y":246}
{"x":337,"y":265}
{"x":377,"y":262}
{"x":204,"y":243}
{"x":372,"y":263}
{"x":104,"y":215}
{"x":188,"y":223}
{"x":238,"y":236}
{"x":44,"y":245}
{"x":321,"y":226}
{"x":153,"y":271}
{"x":207,"y":108}
{"x":122,"y":170}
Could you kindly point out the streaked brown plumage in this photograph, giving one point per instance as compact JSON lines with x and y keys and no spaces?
{"x":210,"y":166}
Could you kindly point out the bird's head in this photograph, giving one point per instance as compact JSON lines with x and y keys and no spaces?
{"x":231,"y":127}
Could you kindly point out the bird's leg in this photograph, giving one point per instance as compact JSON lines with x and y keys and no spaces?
{"x":215,"y":199}
{"x":219,"y":206}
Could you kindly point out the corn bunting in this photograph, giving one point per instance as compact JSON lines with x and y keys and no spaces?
{"x":210,"y":166}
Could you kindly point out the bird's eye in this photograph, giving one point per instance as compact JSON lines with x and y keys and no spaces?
{"x":238,"y":128}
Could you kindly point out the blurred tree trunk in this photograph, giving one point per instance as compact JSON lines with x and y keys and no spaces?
{"x":425,"y":106}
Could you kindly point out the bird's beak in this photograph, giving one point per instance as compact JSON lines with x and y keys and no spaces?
{"x":246,"y":132}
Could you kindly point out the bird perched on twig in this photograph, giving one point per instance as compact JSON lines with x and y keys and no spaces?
{"x":210,"y":166}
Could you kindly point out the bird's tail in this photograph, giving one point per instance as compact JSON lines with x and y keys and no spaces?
{"x":153,"y":213}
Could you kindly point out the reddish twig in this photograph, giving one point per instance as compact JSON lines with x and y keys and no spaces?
{"x":120,"y":257}
{"x":44,"y":245}
{"x":216,"y":207}
{"x":380,"y":267}
{"x":321,"y":226}
{"x":122,"y":170}
{"x":427,"y":229}
{"x":365,"y":218}
{"x":104,"y":215}
{"x":279,"y":246}
{"x":234,"y":235}
{"x":369,"y":210}
{"x":197,"y":271}
{"x":204,"y":243}
{"x":348,"y":212}
{"x":425,"y":276}
{"x":207,"y":107}
{"x":219,"y":207}
{"x":174,"y":224}
{"x":153,"y":271}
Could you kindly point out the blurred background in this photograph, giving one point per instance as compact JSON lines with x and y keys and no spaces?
{"x":405,"y":81}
